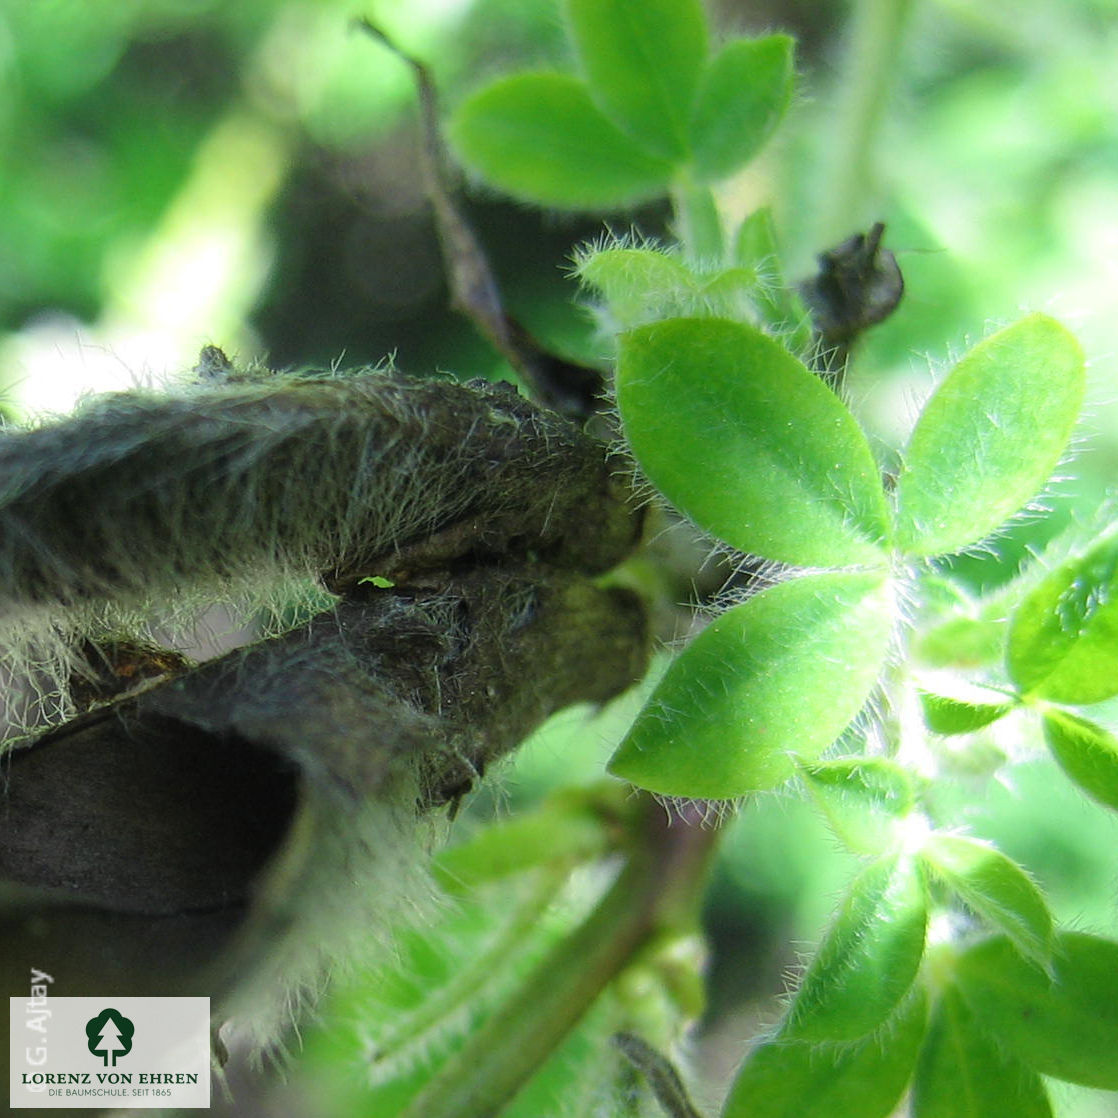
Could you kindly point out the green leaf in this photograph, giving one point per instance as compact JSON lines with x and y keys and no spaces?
{"x":790,"y":1079}
{"x":379,"y":581}
{"x":540,"y":138}
{"x":1066,"y":1027}
{"x":862,"y":798}
{"x":562,"y":830}
{"x":1063,"y":642}
{"x":945,"y":715}
{"x":962,"y":642}
{"x":638,"y":284}
{"x":963,"y":1073}
{"x":738,"y":435}
{"x":732,"y":288}
{"x":779,"y":305}
{"x":743,"y":93}
{"x":402,"y":1011}
{"x":994,"y":887}
{"x":990,"y":437}
{"x":783,"y":673}
{"x":622,"y":274}
{"x":642,"y":60}
{"x":755,"y":241}
{"x":1086,"y":752}
{"x":869,"y":957}
{"x":648,"y":284}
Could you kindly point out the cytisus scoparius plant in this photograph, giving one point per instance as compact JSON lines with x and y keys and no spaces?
{"x":444,"y":565}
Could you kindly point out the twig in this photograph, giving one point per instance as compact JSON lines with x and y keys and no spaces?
{"x":572,"y":389}
{"x":662,"y":1077}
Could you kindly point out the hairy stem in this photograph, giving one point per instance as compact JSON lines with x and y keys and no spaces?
{"x":875,"y":37}
{"x":698,"y":224}
{"x":658,"y":886}
{"x":470,"y":982}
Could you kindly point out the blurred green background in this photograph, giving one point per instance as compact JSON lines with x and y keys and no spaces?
{"x":182,"y":172}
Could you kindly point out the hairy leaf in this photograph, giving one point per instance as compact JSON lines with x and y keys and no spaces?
{"x":743,"y":93}
{"x":562,"y":831}
{"x":779,"y":305}
{"x":862,"y":798}
{"x":793,"y":1079}
{"x":1066,"y":1026}
{"x":990,"y":436}
{"x":1086,"y":752}
{"x":868,"y":958}
{"x":996,"y":888}
{"x":638,"y":284}
{"x":781,"y":674}
{"x":642,"y":60}
{"x":964,"y":1073}
{"x":1063,"y":643}
{"x":737,"y":434}
{"x":946,"y":715}
{"x":962,"y":642}
{"x":542,"y":139}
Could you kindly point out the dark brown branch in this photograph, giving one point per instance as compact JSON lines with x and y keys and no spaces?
{"x":569,"y":388}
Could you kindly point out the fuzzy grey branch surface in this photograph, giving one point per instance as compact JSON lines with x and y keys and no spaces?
{"x":147,"y":504}
{"x":140,"y":492}
{"x":243,"y":827}
{"x":191,"y":804}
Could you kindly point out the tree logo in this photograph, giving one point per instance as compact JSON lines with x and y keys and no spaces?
{"x":110,"y":1035}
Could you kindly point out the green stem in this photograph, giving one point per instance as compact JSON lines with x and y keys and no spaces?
{"x":698,"y":223}
{"x":658,"y":886}
{"x":876,"y":36}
